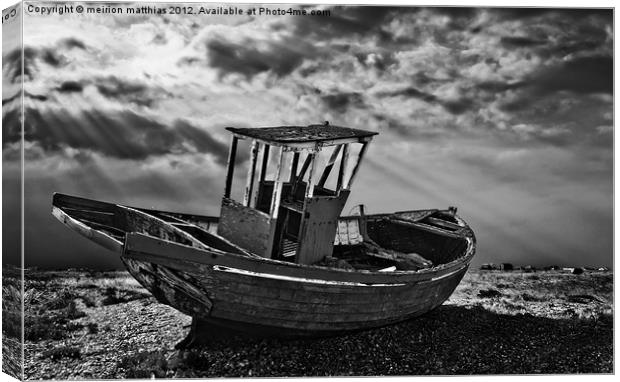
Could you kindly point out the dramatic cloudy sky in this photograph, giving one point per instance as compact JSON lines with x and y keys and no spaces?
{"x":504,"y":113}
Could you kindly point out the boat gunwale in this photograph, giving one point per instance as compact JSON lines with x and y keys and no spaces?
{"x":107,"y":241}
{"x":152,"y":251}
{"x":439,"y":270}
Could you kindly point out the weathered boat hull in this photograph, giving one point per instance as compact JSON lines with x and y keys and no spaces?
{"x":290,"y":307}
{"x":269,"y":297}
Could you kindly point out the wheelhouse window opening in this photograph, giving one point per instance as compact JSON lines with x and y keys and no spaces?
{"x":236,"y":175}
{"x":295,"y":185}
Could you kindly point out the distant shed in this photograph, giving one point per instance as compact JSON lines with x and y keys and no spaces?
{"x":506,"y":267}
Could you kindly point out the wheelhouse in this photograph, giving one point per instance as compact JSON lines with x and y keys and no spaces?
{"x":293,"y":196}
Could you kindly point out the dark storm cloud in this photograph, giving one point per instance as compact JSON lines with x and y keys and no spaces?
{"x":459,"y":106}
{"x":348,"y":21}
{"x":563,"y":13}
{"x":52,"y":56}
{"x":123,"y":135}
{"x":229,"y":57}
{"x":452,"y":106}
{"x":571,"y":47}
{"x":410,"y":92}
{"x":118,"y":89}
{"x":11,"y":99}
{"x":11,"y":126}
{"x":71,"y":43}
{"x":520,"y":42}
{"x":498,"y":86}
{"x":125,"y":91}
{"x":70,"y":87}
{"x":12,"y":64}
{"x":581,"y":75}
{"x":342,"y":101}
{"x":460,"y":18}
{"x":36,"y":97}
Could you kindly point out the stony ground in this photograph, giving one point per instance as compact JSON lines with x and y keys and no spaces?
{"x":11,"y":318}
{"x":84,"y":324}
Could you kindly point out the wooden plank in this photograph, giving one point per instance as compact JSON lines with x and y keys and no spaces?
{"x":230,"y":167}
{"x":301,"y":134}
{"x":141,"y":222}
{"x":105,"y":240}
{"x":63,"y":200}
{"x":247,"y":196}
{"x":343,"y":166}
{"x":357,"y":165}
{"x":277,"y":187}
{"x":151,"y":247}
{"x":323,"y":311}
{"x":310,"y":186}
{"x":329,"y":166}
{"x":265,"y":161}
{"x":165,"y":287}
{"x":319,"y":227}
{"x":445,"y":224}
{"x":429,"y":228}
{"x":294,"y":165}
{"x":246,"y":227}
{"x":351,"y":305}
{"x":305,"y":166}
{"x":259,"y":316}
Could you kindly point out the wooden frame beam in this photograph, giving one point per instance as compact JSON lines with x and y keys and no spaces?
{"x":344,"y":161}
{"x":294,"y":167}
{"x":263,"y":168}
{"x":230,"y":166}
{"x":262,"y":150}
{"x":310,"y":188}
{"x":357,"y":166}
{"x":312,"y":145}
{"x":247,"y":196}
{"x":304,"y":167}
{"x":329,"y":166}
{"x":277,"y":186}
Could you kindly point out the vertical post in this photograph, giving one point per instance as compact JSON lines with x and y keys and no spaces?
{"x":277,"y":186}
{"x":310,"y":188}
{"x":263,"y":168}
{"x":230,"y":166}
{"x":357,"y":165}
{"x":343,"y":166}
{"x":294,"y":167}
{"x":330,"y":165}
{"x":262,"y":149}
{"x":247,"y":196}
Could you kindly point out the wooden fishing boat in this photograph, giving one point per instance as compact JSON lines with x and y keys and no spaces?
{"x":282,"y":261}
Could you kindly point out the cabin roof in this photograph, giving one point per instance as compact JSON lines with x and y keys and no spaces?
{"x":302,"y":134}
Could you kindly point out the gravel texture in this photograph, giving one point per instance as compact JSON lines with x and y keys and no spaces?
{"x":530,"y":324}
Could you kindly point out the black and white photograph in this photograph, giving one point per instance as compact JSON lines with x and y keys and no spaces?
{"x":207,"y":190}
